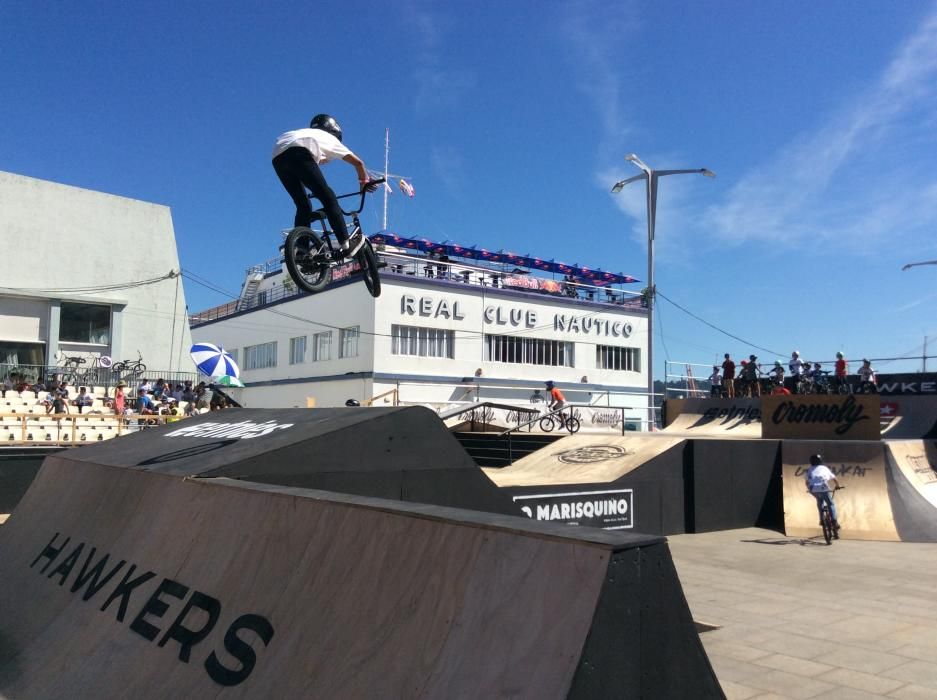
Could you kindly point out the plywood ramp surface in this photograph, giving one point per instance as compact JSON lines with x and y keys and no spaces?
{"x":714,"y":417}
{"x":863,"y":508}
{"x":303,"y":596}
{"x":917,"y":462}
{"x":584,"y":459}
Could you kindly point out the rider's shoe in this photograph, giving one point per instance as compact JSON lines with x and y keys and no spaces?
{"x":351,"y":246}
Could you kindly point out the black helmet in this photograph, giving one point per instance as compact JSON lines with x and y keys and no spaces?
{"x":326,"y":123}
{"x":816,"y":459}
{"x":352,"y":403}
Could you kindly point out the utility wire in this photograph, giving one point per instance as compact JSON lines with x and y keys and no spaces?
{"x":716,"y":328}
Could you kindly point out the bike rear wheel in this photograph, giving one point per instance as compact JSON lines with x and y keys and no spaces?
{"x":572,"y":425}
{"x":301,"y":245}
{"x":827,"y":523}
{"x":368,"y":262}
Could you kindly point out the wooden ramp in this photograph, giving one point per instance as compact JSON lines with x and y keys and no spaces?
{"x":864,"y":508}
{"x":913,"y":488}
{"x":582,"y":459}
{"x":634,"y":481}
{"x":724,"y":418}
{"x":122,"y":582}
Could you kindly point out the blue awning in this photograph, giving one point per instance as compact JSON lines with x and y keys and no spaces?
{"x":597,"y":277}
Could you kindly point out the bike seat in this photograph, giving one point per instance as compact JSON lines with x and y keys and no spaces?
{"x":318,"y":215}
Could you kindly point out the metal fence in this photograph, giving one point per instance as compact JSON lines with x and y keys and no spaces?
{"x":89,"y":376}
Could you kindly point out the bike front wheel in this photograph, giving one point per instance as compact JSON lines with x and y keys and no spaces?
{"x":300,"y":251}
{"x":547,"y":424}
{"x":368,"y":262}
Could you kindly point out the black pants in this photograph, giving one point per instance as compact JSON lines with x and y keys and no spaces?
{"x":295,"y":167}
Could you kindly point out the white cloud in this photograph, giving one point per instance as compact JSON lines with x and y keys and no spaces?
{"x":438,"y":85}
{"x":856,"y":177}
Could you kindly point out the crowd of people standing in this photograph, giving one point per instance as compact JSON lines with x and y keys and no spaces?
{"x":750,"y":378}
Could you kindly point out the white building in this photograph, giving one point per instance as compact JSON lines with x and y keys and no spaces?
{"x":88,"y":274}
{"x":440,"y":334}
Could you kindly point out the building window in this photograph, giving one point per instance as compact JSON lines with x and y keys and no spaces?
{"x":234,"y":356}
{"x":422,"y":342}
{"x":260,"y":356}
{"x":322,"y":346}
{"x":298,"y":350}
{"x":528,"y":351}
{"x":85,"y":323}
{"x":348,"y":342}
{"x":611,"y":357}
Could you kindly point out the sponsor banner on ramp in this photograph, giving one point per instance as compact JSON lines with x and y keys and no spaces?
{"x":821,"y":417}
{"x":723,"y":417}
{"x":611,"y":510}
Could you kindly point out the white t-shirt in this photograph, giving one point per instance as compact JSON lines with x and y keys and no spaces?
{"x":796,"y":366}
{"x":321,"y":144}
{"x":715,"y":379}
{"x":817,"y":478}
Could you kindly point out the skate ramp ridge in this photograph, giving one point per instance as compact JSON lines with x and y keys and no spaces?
{"x":124,"y":582}
{"x":403,"y":453}
{"x":614,"y":482}
{"x":716,"y":417}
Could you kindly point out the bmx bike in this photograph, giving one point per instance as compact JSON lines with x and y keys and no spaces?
{"x":557,"y":419}
{"x":311,"y":256}
{"x":826,"y":521}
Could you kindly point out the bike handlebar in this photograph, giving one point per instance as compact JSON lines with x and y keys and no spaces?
{"x":362,"y":192}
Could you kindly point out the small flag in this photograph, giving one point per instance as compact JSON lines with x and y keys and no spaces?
{"x":406,"y":188}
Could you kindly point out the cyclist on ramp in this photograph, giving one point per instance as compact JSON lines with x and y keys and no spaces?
{"x":296,"y":158}
{"x":819,"y":479}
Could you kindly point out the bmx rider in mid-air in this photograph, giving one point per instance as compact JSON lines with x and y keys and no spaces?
{"x":296,"y":158}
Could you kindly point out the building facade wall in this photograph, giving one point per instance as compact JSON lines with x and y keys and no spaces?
{"x":466,"y":314}
{"x":91,"y":240}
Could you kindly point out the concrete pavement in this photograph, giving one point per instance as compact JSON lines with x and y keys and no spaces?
{"x":799,"y":619}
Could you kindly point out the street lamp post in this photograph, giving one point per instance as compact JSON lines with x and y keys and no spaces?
{"x":651,"y":176}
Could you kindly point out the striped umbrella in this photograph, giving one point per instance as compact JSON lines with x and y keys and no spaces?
{"x":213,"y":360}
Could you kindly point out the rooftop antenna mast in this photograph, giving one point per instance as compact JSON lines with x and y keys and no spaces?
{"x":386,"y":167}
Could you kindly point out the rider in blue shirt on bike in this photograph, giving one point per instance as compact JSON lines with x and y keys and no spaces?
{"x":819,"y":478}
{"x":296,"y":158}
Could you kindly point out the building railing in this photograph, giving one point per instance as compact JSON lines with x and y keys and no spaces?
{"x":423,"y":267}
{"x":78,"y":375}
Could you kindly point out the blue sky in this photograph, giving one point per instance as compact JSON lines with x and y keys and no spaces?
{"x":511,"y":120}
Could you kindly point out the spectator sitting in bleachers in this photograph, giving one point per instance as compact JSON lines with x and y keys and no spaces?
{"x":84,"y":399}
{"x":177,"y":393}
{"x":159,"y":389}
{"x":39,"y":386}
{"x":62,"y":389}
{"x":146,"y":386}
{"x":144,"y":404}
{"x":20,"y":383}
{"x":47,"y":401}
{"x":189,"y":409}
{"x":203,"y":396}
{"x":188,"y":393}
